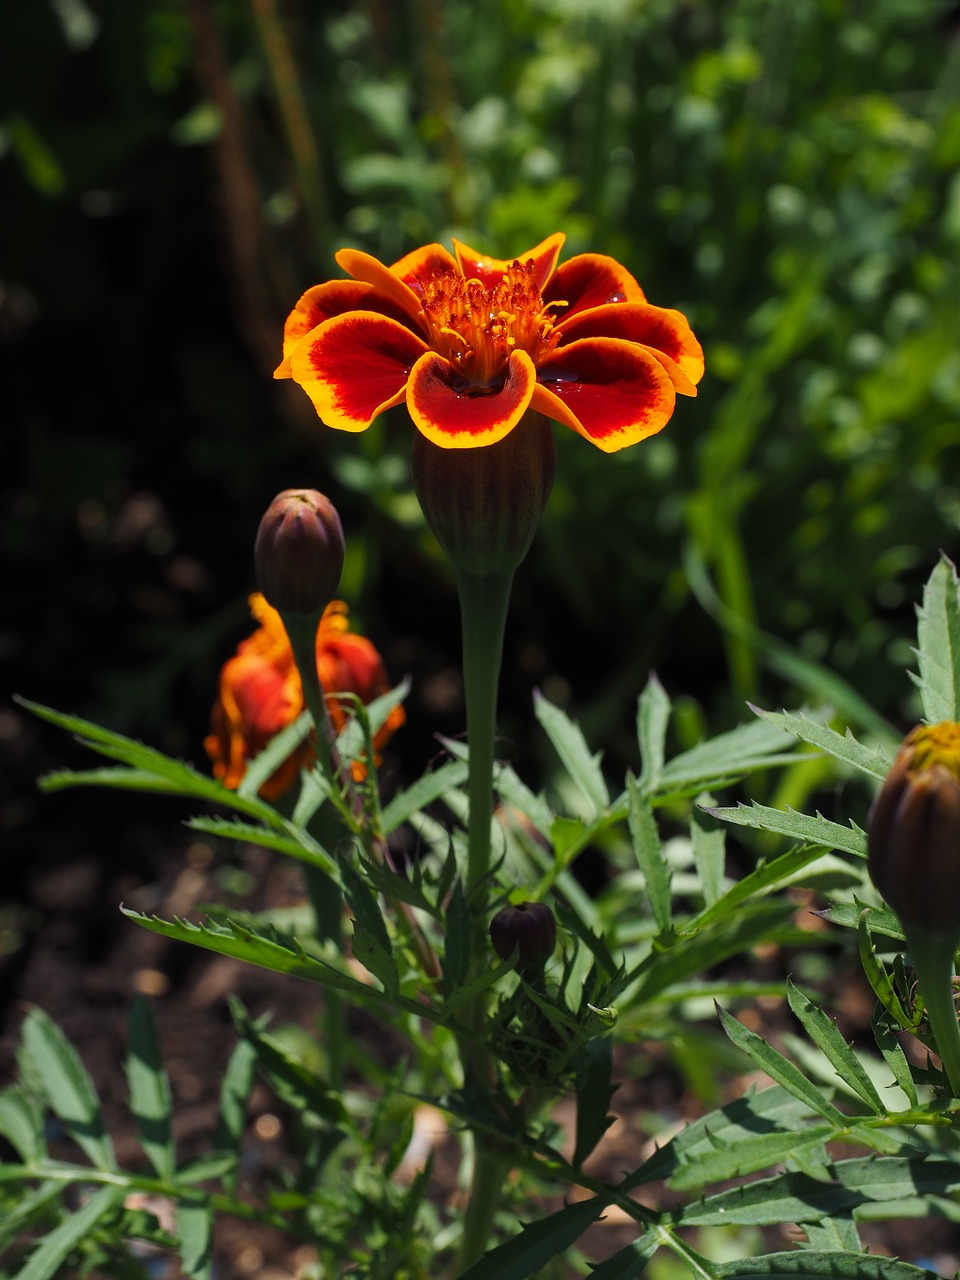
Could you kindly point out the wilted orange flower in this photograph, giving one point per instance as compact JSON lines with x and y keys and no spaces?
{"x":471,"y":343}
{"x":260,"y":693}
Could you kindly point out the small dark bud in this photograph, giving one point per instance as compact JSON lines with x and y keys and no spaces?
{"x":914,"y":831}
{"x":530,"y":930}
{"x":298,"y":554}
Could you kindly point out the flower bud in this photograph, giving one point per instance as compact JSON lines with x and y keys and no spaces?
{"x":914,"y":831}
{"x":530,"y":930}
{"x":298,"y":554}
{"x":484,"y":505}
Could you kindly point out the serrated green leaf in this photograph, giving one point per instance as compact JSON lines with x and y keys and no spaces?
{"x":150,"y":1099}
{"x":879,"y":919}
{"x":279,"y":957}
{"x":893,"y":1054}
{"x":432,"y":786}
{"x":763,"y":877}
{"x":21,"y":1123}
{"x":571,"y":747}
{"x":630,"y":1262}
{"x":302,"y":846}
{"x":729,"y":755}
{"x":799,"y":826}
{"x":820,"y":1265}
{"x":371,"y":941}
{"x":878,"y":978}
{"x":938,"y":644}
{"x":220,"y":1164}
{"x":280,"y":747}
{"x":177,"y":778}
{"x":904,"y":1185}
{"x":195,"y":1229}
{"x":594,"y":1070}
{"x":708,"y":843}
{"x":649,"y":854}
{"x":831,"y":1234}
{"x":653,"y":716}
{"x":67,"y":1086}
{"x":843,"y":747}
{"x":55,"y":1248}
{"x":826,"y":1036}
{"x":515,"y":792}
{"x":532,"y":1248}
{"x":780,"y":1069}
{"x":746,"y":1155}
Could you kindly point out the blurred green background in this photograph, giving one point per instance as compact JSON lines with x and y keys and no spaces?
{"x":173,"y":173}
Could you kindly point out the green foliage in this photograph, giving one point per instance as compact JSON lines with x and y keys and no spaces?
{"x":630,"y":964}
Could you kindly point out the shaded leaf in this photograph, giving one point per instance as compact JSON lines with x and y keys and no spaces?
{"x":653,"y":716}
{"x":532,"y":1248}
{"x":823,"y":1031}
{"x":649,"y":853}
{"x":55,"y":1248}
{"x":938,"y":644}
{"x":571,"y":747}
{"x":150,"y":1099}
{"x":800,"y":826}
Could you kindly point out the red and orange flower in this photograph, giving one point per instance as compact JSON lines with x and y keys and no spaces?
{"x":471,"y":343}
{"x":260,"y":693}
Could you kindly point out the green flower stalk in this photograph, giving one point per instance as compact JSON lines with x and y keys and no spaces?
{"x":914,"y":860}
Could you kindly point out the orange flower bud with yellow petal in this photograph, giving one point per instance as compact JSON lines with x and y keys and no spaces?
{"x":914,"y":831}
{"x":261,"y":693}
{"x":298,"y":553}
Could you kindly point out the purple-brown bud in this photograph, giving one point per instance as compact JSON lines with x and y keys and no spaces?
{"x":914,"y":831}
{"x":298,"y":554}
{"x":530,"y":930}
{"x":484,"y":505}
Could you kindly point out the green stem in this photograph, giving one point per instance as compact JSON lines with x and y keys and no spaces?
{"x":933,"y":962}
{"x":483,"y":612}
{"x":325,"y":897}
{"x":490,"y":1167}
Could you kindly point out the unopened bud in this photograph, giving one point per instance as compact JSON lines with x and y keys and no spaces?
{"x":530,"y":930}
{"x":914,"y":831}
{"x":298,"y":554}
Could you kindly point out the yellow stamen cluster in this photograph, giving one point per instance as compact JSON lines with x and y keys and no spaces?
{"x":477,"y":327}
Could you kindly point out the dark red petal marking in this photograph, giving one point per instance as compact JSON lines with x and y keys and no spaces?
{"x":477,"y":266}
{"x":658,"y":328}
{"x":457,"y":416}
{"x":354,"y":366}
{"x":590,"y":280}
{"x":614,"y":393}
{"x":324,"y":301}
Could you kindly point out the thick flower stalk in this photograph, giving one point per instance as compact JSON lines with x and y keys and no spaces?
{"x":470,"y":343}
{"x":261,"y":693}
{"x":914,"y":860}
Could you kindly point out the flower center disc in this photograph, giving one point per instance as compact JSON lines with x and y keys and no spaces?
{"x":477,"y":327}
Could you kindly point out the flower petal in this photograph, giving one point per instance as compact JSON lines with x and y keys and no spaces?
{"x":324,"y":301}
{"x":431,"y":260}
{"x":363,"y":266}
{"x":455,"y":415}
{"x":475,"y":266}
{"x":354,"y":366}
{"x":590,"y":280}
{"x":662,"y":331}
{"x":614,"y":393}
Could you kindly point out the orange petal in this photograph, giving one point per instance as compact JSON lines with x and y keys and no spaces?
{"x":590,"y":280}
{"x":421,"y":264}
{"x":662,"y":331}
{"x":363,"y":266}
{"x":614,"y":393}
{"x":455,"y":415}
{"x":476,"y":266}
{"x":332,"y":299}
{"x":354,"y":366}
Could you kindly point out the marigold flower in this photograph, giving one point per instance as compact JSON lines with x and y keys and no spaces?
{"x":471,"y":343}
{"x":914,"y":831}
{"x":260,"y":693}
